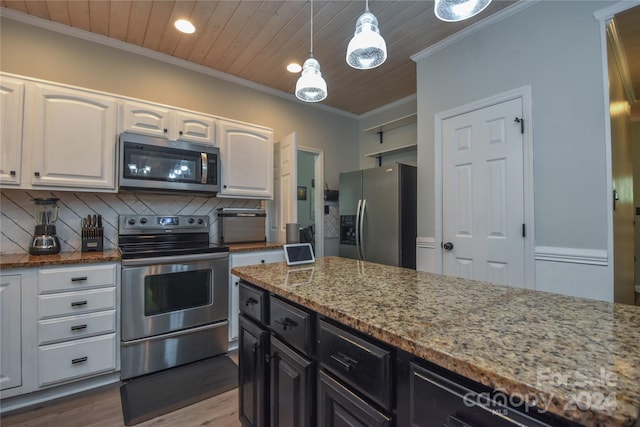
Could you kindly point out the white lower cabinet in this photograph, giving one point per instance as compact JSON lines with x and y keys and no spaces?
{"x":58,"y":327}
{"x":75,"y":359}
{"x":73,"y":303}
{"x":241,"y":259}
{"x":10,"y":332}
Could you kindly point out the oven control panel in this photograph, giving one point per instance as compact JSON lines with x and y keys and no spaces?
{"x":141,"y":224}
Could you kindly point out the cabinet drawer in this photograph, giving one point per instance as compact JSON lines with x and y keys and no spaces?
{"x":253,"y":302}
{"x":336,"y":403}
{"x":72,"y":278}
{"x":74,"y":327}
{"x":65,"y":361}
{"x":359,"y":363}
{"x":70,"y":303}
{"x":292,"y":324}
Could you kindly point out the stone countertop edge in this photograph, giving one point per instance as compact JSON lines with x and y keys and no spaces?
{"x":253,"y":247}
{"x":76,"y":257}
{"x":436,"y":318}
{"x":25,"y":260}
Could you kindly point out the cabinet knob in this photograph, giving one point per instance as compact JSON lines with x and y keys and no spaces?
{"x":180,"y":132}
{"x":37,"y":174}
{"x":12,"y":173}
{"x":447,"y":246}
{"x":224,"y":186}
{"x":165,"y":130}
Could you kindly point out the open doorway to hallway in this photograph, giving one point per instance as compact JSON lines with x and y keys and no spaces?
{"x":625,"y":157}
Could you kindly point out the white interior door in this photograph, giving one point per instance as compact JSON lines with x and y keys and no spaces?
{"x":483,"y":195}
{"x":283,"y":207}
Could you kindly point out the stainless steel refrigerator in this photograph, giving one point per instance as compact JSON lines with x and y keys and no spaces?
{"x":378,"y":215}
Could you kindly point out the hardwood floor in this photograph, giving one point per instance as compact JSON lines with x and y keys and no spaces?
{"x":102,"y":408}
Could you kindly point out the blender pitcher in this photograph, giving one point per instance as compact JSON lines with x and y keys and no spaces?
{"x":45,"y":241}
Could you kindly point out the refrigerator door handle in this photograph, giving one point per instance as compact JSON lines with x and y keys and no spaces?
{"x":364,"y":205}
{"x":358,"y":229}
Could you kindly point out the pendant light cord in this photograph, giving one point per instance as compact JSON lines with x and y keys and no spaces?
{"x":311,"y":27}
{"x":366,"y":7}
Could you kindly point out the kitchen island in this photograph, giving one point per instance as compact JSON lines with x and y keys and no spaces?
{"x":576,"y":358}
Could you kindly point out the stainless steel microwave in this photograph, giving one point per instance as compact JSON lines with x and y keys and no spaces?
{"x":160,"y":165}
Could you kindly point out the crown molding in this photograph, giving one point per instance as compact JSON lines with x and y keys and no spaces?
{"x":474,"y":28}
{"x":142,"y":51}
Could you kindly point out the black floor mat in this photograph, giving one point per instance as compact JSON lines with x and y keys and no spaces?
{"x":160,"y":393}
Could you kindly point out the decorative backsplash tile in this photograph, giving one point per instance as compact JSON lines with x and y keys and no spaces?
{"x":17,"y":222}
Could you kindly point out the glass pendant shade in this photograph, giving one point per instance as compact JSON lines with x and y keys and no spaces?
{"x":457,"y":10}
{"x":367,"y":49}
{"x":311,"y":87}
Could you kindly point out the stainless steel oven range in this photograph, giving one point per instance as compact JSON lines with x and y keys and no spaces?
{"x":174,"y":297}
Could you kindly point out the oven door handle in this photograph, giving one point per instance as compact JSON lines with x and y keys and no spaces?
{"x":174,"y":259}
{"x":175,"y":333}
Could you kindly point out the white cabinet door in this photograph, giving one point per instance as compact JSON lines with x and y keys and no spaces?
{"x":246,"y":160}
{"x":148,"y":119}
{"x":10,"y":332}
{"x":195,"y":128}
{"x":12,"y":103}
{"x":73,"y":138}
{"x":239,"y":260}
{"x":157,"y":120}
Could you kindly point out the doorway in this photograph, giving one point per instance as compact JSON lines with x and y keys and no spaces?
{"x":484,"y":183}
{"x":310,"y":197}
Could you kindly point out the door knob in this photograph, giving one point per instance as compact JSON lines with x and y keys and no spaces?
{"x":447,"y":246}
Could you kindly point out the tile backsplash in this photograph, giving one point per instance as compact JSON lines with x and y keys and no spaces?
{"x":17,"y":222}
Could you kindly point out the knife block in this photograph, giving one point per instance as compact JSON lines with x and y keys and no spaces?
{"x":92,"y":239}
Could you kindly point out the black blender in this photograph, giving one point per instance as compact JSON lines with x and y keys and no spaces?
{"x":45,"y":241}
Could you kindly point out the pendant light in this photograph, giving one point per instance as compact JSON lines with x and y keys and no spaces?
{"x":457,"y":10}
{"x":311,"y":87}
{"x":367,"y":49}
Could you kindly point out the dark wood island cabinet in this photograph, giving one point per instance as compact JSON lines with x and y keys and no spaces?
{"x":360,"y":344}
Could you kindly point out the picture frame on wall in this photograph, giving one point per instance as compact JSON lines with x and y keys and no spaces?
{"x":302,"y":192}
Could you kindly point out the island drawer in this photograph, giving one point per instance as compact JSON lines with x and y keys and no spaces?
{"x":358,"y":362}
{"x":292,"y":324}
{"x":253,"y":302}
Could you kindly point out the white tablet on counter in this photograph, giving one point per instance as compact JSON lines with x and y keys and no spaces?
{"x":298,"y":253}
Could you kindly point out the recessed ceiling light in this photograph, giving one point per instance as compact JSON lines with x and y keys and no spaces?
{"x":185,"y":26}
{"x":294,"y":68}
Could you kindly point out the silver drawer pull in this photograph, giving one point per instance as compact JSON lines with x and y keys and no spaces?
{"x":78,"y":327}
{"x":79,"y":279}
{"x":79,"y":360}
{"x":78,"y":303}
{"x":286,"y":323}
{"x":344,"y":361}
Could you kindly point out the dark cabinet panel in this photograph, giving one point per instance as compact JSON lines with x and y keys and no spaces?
{"x":292,"y":387}
{"x":253,"y":302}
{"x":339,"y":407}
{"x":292,"y":324}
{"x":360,"y":363}
{"x":438,"y":401}
{"x":252,"y":349}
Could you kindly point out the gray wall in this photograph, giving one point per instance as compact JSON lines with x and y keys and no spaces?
{"x":555,"y":48}
{"x":39,"y":53}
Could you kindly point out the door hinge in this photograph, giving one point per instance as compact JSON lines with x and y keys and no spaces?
{"x":524,"y":230}
{"x":521,"y":121}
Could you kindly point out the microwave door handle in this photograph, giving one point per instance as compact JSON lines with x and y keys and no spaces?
{"x":205,"y":166}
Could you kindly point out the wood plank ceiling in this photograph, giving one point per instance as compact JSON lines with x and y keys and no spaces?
{"x":255,"y":40}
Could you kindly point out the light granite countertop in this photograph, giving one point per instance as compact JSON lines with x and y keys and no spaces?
{"x":576,"y":358}
{"x":24,"y":260}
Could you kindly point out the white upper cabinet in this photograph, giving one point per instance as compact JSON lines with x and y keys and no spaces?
{"x":177,"y":125}
{"x":72,"y":137}
{"x":12,"y":103}
{"x":246,"y":153}
{"x":195,"y":127}
{"x":144,"y":118}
